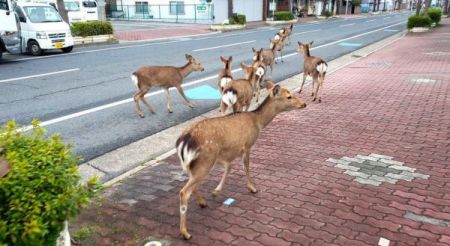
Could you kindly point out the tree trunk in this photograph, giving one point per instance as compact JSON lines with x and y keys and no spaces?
{"x":378,"y":5}
{"x":62,"y":10}
{"x":333,"y":2}
{"x":230,"y":8}
{"x":323,"y":7}
{"x":427,"y":5}
{"x":374,"y":6}
{"x":418,"y":7}
{"x":446,"y":7}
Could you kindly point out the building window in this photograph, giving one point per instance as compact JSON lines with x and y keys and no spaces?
{"x":4,"y":4}
{"x":141,"y":7}
{"x":176,"y":7}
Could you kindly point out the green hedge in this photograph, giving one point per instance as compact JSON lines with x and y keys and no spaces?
{"x":418,"y":21}
{"x":283,"y":16}
{"x":238,"y":19}
{"x":328,"y":13}
{"x":41,"y":190}
{"x":435,"y":15}
{"x":91,"y":28}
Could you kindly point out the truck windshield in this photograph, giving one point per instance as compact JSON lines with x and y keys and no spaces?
{"x":39,"y":14}
{"x":89,"y":4}
{"x":72,"y":6}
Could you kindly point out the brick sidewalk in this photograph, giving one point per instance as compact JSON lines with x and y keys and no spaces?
{"x":371,"y":161}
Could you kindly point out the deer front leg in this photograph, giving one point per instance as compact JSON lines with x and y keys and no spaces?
{"x":246,"y":161}
{"x":304,"y":79}
{"x":281,"y":55}
{"x":222,"y":181}
{"x":169,"y":100}
{"x":180,"y":90}
{"x":138,"y":109}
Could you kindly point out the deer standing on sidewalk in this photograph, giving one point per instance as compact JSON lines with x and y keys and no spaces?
{"x":225,"y":75}
{"x":162,"y":76}
{"x":314,"y":67}
{"x":223,"y":139}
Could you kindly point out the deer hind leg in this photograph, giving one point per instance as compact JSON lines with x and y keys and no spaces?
{"x":197,"y":174}
{"x":169,"y":101}
{"x":137,"y":97}
{"x":200,"y":201}
{"x":246,"y":160}
{"x":321,"y":78}
{"x":316,"y":87}
{"x":222,"y":181}
{"x":180,"y":90}
{"x":314,"y":82}
{"x":281,"y":55}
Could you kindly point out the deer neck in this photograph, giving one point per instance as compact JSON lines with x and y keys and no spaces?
{"x":265,"y":113}
{"x":186,"y":70}
{"x":306,"y":53}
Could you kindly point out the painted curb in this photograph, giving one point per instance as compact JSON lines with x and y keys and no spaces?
{"x":92,"y":39}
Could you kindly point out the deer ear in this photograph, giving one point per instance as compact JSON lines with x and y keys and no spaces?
{"x":276,"y":90}
{"x":310,"y":43}
{"x":230,"y":59}
{"x":222,"y":59}
{"x":188,"y":57}
{"x":254,"y":50}
{"x":299,"y":43}
{"x":269,"y":84}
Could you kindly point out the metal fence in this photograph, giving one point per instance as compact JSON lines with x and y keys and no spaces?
{"x":196,"y":13}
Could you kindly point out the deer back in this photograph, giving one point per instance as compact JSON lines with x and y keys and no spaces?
{"x":158,"y":76}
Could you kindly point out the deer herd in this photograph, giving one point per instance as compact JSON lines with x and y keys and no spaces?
{"x":222,"y":139}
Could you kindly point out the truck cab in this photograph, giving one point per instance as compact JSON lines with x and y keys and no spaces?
{"x":42,"y":28}
{"x":9,"y":29}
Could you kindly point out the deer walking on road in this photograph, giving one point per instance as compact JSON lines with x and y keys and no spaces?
{"x":162,"y":76}
{"x":223,"y":139}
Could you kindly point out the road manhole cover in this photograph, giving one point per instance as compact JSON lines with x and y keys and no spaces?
{"x":376,"y":169}
{"x":423,"y":80}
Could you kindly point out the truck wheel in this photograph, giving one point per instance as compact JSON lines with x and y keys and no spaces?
{"x":67,"y":49}
{"x":34,"y":48}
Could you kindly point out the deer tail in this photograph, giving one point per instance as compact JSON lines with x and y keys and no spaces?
{"x":135,"y":80}
{"x":322,"y":68}
{"x":229,"y":97}
{"x":187,"y":149}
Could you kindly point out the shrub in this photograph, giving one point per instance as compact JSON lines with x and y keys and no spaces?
{"x":91,"y":28}
{"x":435,"y":15}
{"x":283,"y":16}
{"x":238,"y":19}
{"x":418,"y":21}
{"x":328,"y":13}
{"x":356,"y":3}
{"x":42,"y":189}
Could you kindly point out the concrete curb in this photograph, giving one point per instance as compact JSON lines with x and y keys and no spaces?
{"x":127,"y":160}
{"x":92,"y":39}
{"x":224,"y":28}
{"x":275,"y":23}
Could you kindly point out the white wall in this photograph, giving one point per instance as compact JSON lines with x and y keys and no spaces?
{"x":251,"y":8}
{"x":220,"y":10}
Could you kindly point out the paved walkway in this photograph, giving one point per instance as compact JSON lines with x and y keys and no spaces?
{"x":369,"y":163}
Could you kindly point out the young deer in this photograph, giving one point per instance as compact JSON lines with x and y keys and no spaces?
{"x":260,"y":71}
{"x":223,"y":139}
{"x":278,"y":46}
{"x":268,"y":56}
{"x":314,"y":67}
{"x":238,"y":93}
{"x":285,"y":31}
{"x":162,"y":76}
{"x":225,"y":75}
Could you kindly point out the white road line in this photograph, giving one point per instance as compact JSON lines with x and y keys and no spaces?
{"x":110,"y":105}
{"x":370,"y":20}
{"x":347,"y":25}
{"x":306,"y":32}
{"x":39,"y":75}
{"x":386,"y":18}
{"x":222,"y":46}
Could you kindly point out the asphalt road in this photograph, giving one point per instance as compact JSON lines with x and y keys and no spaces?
{"x":86,"y":95}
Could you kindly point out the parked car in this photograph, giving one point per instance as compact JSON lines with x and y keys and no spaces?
{"x":42,"y":28}
{"x":9,"y":29}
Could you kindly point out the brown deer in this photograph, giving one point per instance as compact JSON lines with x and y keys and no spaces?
{"x":285,"y":31}
{"x":225,"y":75}
{"x":314,"y":67}
{"x":268,"y":56}
{"x":162,"y":76}
{"x":278,"y":45}
{"x":223,"y":139}
{"x":260,"y":71}
{"x":238,"y":93}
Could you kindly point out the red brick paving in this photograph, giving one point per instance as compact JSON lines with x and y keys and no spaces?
{"x":302,"y":198}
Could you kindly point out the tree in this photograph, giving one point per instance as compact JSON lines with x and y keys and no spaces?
{"x":418,"y":7}
{"x":62,"y":10}
{"x":427,"y":5}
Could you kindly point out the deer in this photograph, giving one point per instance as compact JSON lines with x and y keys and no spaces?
{"x":268,"y":56}
{"x":166,"y":77}
{"x":260,"y":71}
{"x":285,"y":31}
{"x":313,"y":66}
{"x":225,"y":75}
{"x":222,"y":140}
{"x":278,"y":45}
{"x":238,"y":93}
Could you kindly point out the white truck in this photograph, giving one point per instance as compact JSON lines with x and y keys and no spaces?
{"x":9,"y":29}
{"x":42,"y":28}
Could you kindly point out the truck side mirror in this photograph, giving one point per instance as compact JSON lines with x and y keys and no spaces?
{"x":22,"y":19}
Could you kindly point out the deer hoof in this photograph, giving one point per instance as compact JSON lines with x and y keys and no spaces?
{"x":314,"y":99}
{"x":141,"y":115}
{"x":191,"y":105}
{"x":320,"y":100}
{"x":300,"y":91}
{"x":312,"y":94}
{"x":170,"y":110}
{"x":186,"y":235}
{"x":203,"y":205}
{"x":215,"y":192}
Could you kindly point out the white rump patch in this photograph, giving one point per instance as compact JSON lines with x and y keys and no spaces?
{"x":224,"y":81}
{"x":321,"y":68}
{"x":135,"y":80}
{"x":229,"y":98}
{"x":277,"y":37}
{"x":260,"y":71}
{"x":188,"y":154}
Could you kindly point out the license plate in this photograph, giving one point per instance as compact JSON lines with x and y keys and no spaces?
{"x":59,"y":45}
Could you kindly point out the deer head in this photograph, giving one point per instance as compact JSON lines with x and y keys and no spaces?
{"x":196,"y":65}
{"x":282,"y":98}
{"x":304,"y":47}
